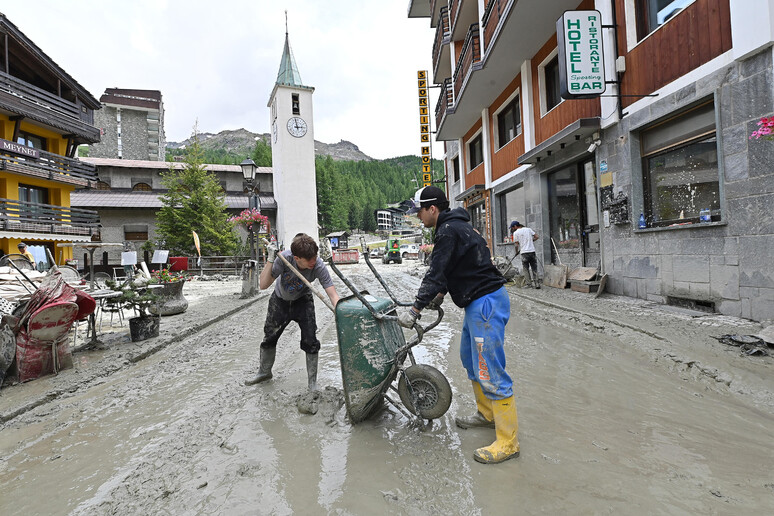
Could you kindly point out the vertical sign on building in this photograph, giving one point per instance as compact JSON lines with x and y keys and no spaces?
{"x":581,"y":61}
{"x":424,"y":128}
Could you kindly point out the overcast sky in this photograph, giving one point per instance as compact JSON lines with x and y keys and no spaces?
{"x":217,"y":61}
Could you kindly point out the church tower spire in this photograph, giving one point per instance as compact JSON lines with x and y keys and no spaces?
{"x":292,"y":151}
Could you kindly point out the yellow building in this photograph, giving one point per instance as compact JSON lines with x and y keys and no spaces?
{"x":44,"y":115}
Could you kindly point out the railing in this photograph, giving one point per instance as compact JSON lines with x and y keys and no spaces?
{"x":442,"y":35}
{"x":228,"y":265}
{"x":454,"y":12}
{"x":39,"y":96}
{"x":29,"y":217}
{"x":494,"y":11}
{"x":471,"y":53}
{"x":445,"y":100}
{"x":50,"y":165}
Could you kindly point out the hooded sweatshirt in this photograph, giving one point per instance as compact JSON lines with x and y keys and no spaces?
{"x":460,"y":263}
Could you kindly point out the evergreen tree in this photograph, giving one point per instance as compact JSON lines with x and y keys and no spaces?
{"x":194,"y":202}
{"x":262,"y":153}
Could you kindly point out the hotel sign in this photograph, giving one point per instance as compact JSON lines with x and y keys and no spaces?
{"x":17,"y":148}
{"x":424,"y":128}
{"x":581,"y":61}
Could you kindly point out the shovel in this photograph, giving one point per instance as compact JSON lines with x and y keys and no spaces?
{"x":302,"y":278}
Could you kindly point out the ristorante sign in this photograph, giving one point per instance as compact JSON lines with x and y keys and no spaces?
{"x":17,"y":148}
{"x":581,"y":61}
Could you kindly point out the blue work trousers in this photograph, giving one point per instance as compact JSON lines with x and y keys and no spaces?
{"x":481,"y":345}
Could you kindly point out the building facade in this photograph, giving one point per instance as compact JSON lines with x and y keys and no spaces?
{"x":44,"y":115}
{"x":128,"y":196}
{"x":668,"y":142}
{"x":131,"y":123}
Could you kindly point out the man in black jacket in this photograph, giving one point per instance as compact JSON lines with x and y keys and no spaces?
{"x":461,"y":265}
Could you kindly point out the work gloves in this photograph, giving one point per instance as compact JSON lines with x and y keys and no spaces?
{"x":436,"y":302}
{"x":271,"y":252}
{"x":408,"y":318}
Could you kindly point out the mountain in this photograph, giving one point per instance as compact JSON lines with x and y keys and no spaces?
{"x":242,"y":142}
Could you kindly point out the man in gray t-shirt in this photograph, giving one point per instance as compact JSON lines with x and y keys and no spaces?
{"x":292,"y":300}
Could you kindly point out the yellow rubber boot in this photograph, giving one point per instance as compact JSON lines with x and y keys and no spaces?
{"x":481,"y":419}
{"x":506,"y":429}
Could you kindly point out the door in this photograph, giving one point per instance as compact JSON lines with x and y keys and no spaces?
{"x":590,"y":211}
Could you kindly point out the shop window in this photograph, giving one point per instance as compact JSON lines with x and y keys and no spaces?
{"x":31,"y":140}
{"x":512,"y":207}
{"x":652,"y":14}
{"x":475,"y":152}
{"x":508,"y":122}
{"x":551,"y":94}
{"x":456,"y":168}
{"x":296,"y":104}
{"x":478,"y":218}
{"x":680,"y":168}
{"x":141,"y":187}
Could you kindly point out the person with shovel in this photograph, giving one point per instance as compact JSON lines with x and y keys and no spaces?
{"x":525,"y":238}
{"x":460,"y":264}
{"x":292,"y":301}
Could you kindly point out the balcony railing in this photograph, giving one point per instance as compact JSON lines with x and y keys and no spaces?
{"x":50,"y":166}
{"x":28,"y":217}
{"x":40,"y":97}
{"x":470,"y":54}
{"x":445,"y":100}
{"x":442,"y":35}
{"x":454,"y":12}
{"x":493,"y":13}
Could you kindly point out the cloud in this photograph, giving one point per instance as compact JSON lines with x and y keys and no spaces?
{"x":218,"y":61}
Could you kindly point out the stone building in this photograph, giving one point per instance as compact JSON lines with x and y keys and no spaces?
{"x":686,"y":82}
{"x":131,"y":124}
{"x":127,"y":198}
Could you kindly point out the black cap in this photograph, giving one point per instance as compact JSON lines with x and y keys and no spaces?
{"x":430,"y":195}
{"x":21,"y":244}
{"x":515,"y":223}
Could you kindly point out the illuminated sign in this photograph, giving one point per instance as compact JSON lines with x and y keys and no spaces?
{"x":581,"y":60}
{"x":424,"y":128}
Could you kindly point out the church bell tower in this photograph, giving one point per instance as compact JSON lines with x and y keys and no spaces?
{"x":292,"y":147}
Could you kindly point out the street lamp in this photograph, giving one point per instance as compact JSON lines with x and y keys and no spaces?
{"x":253,"y":187}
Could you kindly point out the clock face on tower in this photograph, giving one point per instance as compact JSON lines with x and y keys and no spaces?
{"x":297,"y":126}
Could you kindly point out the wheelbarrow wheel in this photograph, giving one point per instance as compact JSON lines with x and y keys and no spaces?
{"x":431,"y":389}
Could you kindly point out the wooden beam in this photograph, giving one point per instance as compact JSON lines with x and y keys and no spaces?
{"x":16,"y":126}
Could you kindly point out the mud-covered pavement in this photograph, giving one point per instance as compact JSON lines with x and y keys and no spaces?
{"x":624,"y":408}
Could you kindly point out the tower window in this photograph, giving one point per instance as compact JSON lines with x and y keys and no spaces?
{"x":296,"y":104}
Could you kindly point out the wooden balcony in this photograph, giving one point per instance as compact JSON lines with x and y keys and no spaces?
{"x":495,"y":11}
{"x":445,"y":101}
{"x":441,"y":48}
{"x":51,"y":166}
{"x":469,"y":56}
{"x":22,"y":98}
{"x":46,"y":220}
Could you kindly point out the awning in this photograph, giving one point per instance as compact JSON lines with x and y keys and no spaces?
{"x":576,"y":131}
{"x":45,"y":236}
{"x":473,"y":190}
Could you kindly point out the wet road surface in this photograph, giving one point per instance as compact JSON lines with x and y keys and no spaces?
{"x":606,"y":426}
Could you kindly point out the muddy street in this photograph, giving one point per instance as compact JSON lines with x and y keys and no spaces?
{"x":615,"y":417}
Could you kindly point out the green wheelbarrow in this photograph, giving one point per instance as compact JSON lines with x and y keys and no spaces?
{"x":373,"y":353}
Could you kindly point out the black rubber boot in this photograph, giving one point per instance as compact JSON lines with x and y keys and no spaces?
{"x":267,"y":361}
{"x":311,"y":369}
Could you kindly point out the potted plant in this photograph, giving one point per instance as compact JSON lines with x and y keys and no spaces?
{"x":138,"y":297}
{"x":171,"y":299}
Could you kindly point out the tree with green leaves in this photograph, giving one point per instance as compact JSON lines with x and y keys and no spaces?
{"x":194,"y":202}
{"x":262,"y":153}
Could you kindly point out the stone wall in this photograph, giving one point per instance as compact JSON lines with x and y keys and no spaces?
{"x":134,"y":135}
{"x":728,"y":263}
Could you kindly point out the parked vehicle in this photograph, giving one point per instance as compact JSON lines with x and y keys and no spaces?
{"x":392,"y":251}
{"x":409,"y":251}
